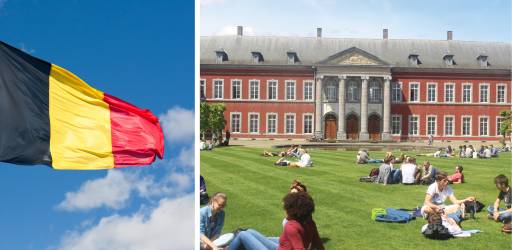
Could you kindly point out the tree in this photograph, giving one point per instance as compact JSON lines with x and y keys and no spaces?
{"x":212,"y":119}
{"x":506,"y":124}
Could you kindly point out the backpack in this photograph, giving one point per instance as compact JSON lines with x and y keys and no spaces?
{"x":437,"y":232}
{"x":367,"y":178}
{"x":374,"y":172}
{"x":473,"y":206}
{"x":394,"y":215}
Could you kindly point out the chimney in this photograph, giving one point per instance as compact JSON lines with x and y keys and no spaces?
{"x":449,"y":35}
{"x":385,"y":34}
{"x":318,"y":32}
{"x":240,"y":30}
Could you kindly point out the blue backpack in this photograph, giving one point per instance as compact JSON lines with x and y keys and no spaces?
{"x":394,"y":215}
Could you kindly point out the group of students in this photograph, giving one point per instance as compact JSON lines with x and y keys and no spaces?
{"x":485,"y":152}
{"x":299,"y":228}
{"x":294,"y":151}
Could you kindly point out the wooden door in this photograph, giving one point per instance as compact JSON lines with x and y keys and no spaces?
{"x":352,"y":127}
{"x":330,"y":127}
{"x":374,"y":127}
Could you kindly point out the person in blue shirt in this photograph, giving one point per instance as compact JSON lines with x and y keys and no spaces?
{"x":212,"y":221}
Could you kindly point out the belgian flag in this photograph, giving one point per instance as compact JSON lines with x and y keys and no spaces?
{"x":50,"y":116}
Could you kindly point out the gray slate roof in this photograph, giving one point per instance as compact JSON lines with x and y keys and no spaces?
{"x":311,"y":50}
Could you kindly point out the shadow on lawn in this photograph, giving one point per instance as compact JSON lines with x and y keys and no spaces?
{"x":324,"y":239}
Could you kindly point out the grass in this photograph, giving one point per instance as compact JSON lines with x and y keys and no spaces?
{"x":255,"y":188}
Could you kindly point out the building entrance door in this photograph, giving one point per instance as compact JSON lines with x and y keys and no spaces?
{"x":330,"y":127}
{"x":352,"y":127}
{"x":374,"y":127}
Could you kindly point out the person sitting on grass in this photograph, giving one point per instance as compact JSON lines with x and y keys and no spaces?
{"x":458,"y":176}
{"x":409,"y":171}
{"x":494,"y":151}
{"x":436,"y":195}
{"x":305,"y":161}
{"x":449,"y":151}
{"x":363,"y":157}
{"x":462,"y":152}
{"x":385,"y":169}
{"x":495,"y":212}
{"x":427,"y":174}
{"x":300,"y":232}
{"x":294,"y":151}
{"x":487,"y":152}
{"x":469,"y":152}
{"x":212,"y":221}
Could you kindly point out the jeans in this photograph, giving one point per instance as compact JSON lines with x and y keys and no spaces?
{"x":375,"y":161}
{"x":502,"y":217}
{"x":253,"y":240}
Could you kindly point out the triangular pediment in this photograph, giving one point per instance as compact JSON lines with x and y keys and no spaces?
{"x":353,"y":56}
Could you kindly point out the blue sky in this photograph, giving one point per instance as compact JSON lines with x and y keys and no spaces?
{"x":471,"y":20}
{"x":141,"y":52}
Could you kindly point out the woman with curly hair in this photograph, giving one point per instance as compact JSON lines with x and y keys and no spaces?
{"x":300,"y":231}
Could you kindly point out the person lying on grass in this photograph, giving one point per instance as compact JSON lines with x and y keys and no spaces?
{"x":300,"y":232}
{"x":495,"y":212}
{"x":271,"y":154}
{"x":212,"y":221}
{"x":436,"y":195}
{"x":305,"y":161}
{"x":441,"y":219}
{"x":458,"y":176}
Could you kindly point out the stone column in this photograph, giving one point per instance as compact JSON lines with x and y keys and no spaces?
{"x":386,"y":135}
{"x":363,"y":132}
{"x":318,"y":108}
{"x":341,"y":135}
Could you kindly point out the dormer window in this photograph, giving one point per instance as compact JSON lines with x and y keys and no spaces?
{"x":222,"y":56}
{"x":292,"y":57}
{"x":257,"y":57}
{"x":482,"y":60}
{"x":449,"y":61}
{"x":414,"y":60}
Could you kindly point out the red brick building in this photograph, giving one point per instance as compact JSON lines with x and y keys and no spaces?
{"x":357,"y":89}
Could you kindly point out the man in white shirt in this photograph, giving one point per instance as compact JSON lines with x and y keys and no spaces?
{"x":305,"y":161}
{"x":409,"y":171}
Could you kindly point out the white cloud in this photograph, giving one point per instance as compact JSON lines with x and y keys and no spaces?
{"x":22,"y":45}
{"x":211,"y":2}
{"x":111,"y":191}
{"x":178,"y":124}
{"x":168,"y":226}
{"x":186,"y":157}
{"x":232,"y":30}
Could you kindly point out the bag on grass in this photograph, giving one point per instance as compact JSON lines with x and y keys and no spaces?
{"x":394,"y":215}
{"x":378,"y":211}
{"x":374,"y":172}
{"x":473,"y":206}
{"x":437,"y":232}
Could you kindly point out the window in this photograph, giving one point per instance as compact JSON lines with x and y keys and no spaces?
{"x":235,"y":123}
{"x":331,"y":93}
{"x":272,"y":90}
{"x":271,"y":123}
{"x":236,"y":91}
{"x":431,"y":92}
{"x":254,"y":121}
{"x":308,"y":90}
{"x":448,"y":125}
{"x":375,"y":91}
{"x":396,"y":94}
{"x":499,"y":121}
{"x":202,"y":89}
{"x":254,"y":89}
{"x":466,"y":125}
{"x":396,"y":124}
{"x":431,"y":125}
{"x":466,"y":93}
{"x":413,"y":92}
{"x":290,"y":124}
{"x":218,"y":89}
{"x":308,"y":124}
{"x":352,"y":91}
{"x":484,"y":93}
{"x":500,"y":93}
{"x":449,"y":92}
{"x":290,"y":90}
{"x":484,"y":126}
{"x":413,"y":125}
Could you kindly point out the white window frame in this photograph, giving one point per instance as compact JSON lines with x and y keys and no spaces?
{"x":221,"y":91}
{"x":268,"y":89}
{"x":241,"y":84}
{"x":250,"y":89}
{"x":304,"y":123}
{"x":399,"y":124}
{"x":294,"y":123}
{"x":479,"y":125}
{"x":418,"y":125}
{"x":267,"y":123}
{"x":249,"y":123}
{"x":504,"y":94}
{"x":480,"y":93}
{"x":304,"y":90}
{"x":417,"y":94}
{"x":400,"y":99}
{"x":470,"y":125}
{"x":294,"y":90}
{"x":239,"y":122}
{"x":453,"y":92}
{"x":470,"y":92}
{"x":435,"y":125}
{"x":453,"y":125}
{"x":202,"y":85}
{"x":435,"y":91}
{"x":497,"y":131}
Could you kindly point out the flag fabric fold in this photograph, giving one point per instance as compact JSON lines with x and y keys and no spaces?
{"x":50,"y":116}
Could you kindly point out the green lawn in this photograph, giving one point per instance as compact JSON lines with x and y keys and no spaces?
{"x":255,"y":188}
